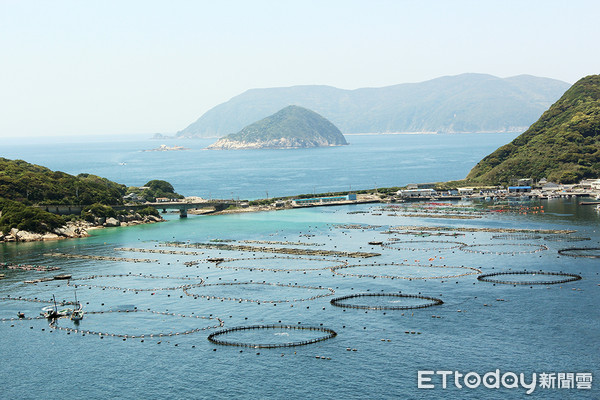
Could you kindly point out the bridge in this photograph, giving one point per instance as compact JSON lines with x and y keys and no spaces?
{"x":182,"y":206}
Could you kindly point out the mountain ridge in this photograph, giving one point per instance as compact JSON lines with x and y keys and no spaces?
{"x":453,"y":104}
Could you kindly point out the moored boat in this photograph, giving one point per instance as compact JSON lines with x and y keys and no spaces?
{"x":77,"y":314}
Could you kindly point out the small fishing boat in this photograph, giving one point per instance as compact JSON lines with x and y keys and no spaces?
{"x":52,"y":312}
{"x":77,"y":314}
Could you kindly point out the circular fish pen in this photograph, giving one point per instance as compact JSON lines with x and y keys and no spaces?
{"x":583,"y":252}
{"x":281,"y":329}
{"x":342,"y":302}
{"x":494,"y":248}
{"x":462,"y":271}
{"x":275,"y":264}
{"x":566,"y":238}
{"x":517,"y":236}
{"x":423,"y":245}
{"x":194,"y":318}
{"x":198,"y":282}
{"x":260,"y":288}
{"x":521,"y":275}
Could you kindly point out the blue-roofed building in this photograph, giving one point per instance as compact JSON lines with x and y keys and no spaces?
{"x":519,"y":189}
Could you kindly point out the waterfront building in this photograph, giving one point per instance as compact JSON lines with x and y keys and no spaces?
{"x":519,"y":189}
{"x":411,"y":193}
{"x":323,"y":200}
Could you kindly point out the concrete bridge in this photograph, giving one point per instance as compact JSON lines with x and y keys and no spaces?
{"x":182,"y":206}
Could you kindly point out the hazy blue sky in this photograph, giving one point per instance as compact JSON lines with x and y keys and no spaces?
{"x":121,"y":67}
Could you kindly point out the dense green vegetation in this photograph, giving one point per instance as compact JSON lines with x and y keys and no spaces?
{"x":34,"y":184}
{"x":297,"y":125}
{"x":148,"y":211}
{"x":97,"y":210}
{"x":23,"y":184}
{"x":463,"y":103}
{"x":155,"y":188}
{"x":562,"y":146}
{"x":17,"y":215}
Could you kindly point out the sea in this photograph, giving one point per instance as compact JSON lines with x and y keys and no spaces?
{"x":152,"y":294}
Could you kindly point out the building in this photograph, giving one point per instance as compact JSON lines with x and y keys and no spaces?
{"x":323,"y":200}
{"x":551,"y":187}
{"x":416,"y":193}
{"x":589,"y":184}
{"x":133,"y":198}
{"x":465,"y":191}
{"x":519,"y":189}
{"x":525,"y":182}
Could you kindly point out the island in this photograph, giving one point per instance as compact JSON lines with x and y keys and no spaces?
{"x":290,"y":128}
{"x":164,"y":147}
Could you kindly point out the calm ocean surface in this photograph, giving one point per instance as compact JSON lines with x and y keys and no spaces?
{"x":480,"y":327}
{"x":368,"y":162}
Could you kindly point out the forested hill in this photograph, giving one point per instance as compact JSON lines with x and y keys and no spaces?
{"x":462,"y":103}
{"x":291,"y":127}
{"x":34,"y":184}
{"x":562,"y":146}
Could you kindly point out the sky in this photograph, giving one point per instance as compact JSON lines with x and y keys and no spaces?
{"x":114,"y":67}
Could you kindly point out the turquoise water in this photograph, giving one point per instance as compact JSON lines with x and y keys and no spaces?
{"x":368,"y":162}
{"x":480,"y":327}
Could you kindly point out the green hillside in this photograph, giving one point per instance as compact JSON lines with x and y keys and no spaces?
{"x":24,"y":185}
{"x":462,"y":103}
{"x":292,"y":126}
{"x":34,"y":184}
{"x":562,"y":146}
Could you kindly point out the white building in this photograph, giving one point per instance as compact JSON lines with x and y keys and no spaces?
{"x":411,"y":193}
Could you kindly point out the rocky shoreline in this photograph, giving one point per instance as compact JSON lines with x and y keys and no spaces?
{"x":77,"y":229}
{"x":280,"y":143}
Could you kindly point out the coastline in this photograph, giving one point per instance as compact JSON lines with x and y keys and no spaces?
{"x":80,"y":229}
{"x":76,"y":229}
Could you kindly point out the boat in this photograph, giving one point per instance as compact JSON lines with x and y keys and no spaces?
{"x":77,"y":314}
{"x":52,"y":312}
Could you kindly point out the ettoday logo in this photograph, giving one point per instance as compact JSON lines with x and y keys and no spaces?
{"x":509,"y":380}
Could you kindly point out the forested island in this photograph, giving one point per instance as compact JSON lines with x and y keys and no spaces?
{"x":290,"y":128}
